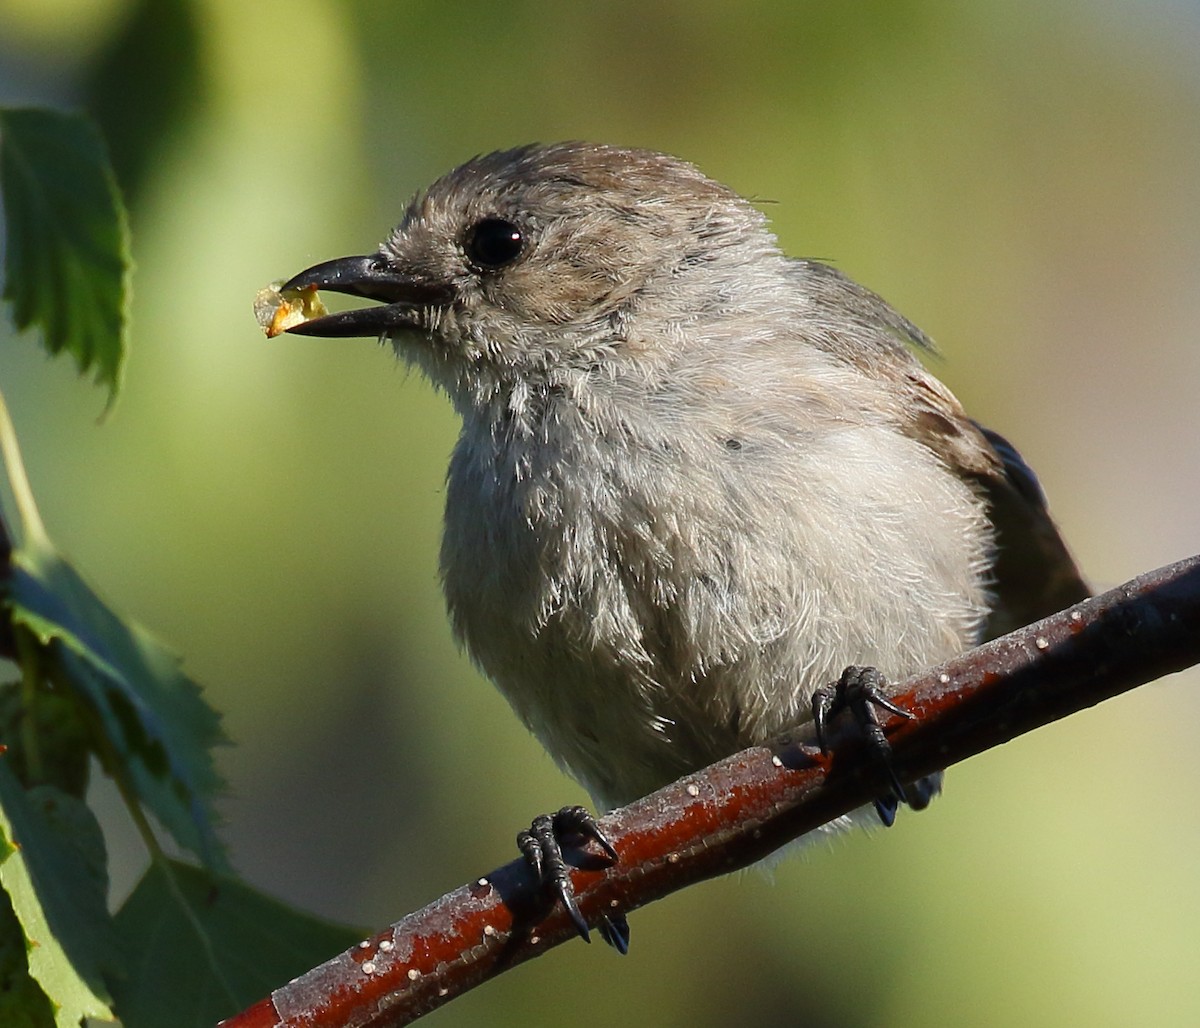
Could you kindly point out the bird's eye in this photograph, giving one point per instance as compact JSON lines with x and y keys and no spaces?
{"x":493,"y":243}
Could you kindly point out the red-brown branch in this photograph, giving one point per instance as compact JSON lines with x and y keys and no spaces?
{"x":737,"y":811}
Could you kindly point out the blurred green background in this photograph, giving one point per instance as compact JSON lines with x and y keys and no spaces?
{"x":1021,"y":179}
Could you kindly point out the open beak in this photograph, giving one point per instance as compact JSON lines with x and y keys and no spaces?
{"x":372,"y":277}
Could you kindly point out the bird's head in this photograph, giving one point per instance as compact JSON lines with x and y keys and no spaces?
{"x":546,"y":260}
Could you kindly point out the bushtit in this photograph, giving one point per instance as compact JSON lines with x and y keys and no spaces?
{"x":696,"y":478}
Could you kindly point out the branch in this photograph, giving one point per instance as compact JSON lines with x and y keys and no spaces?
{"x":737,"y":811}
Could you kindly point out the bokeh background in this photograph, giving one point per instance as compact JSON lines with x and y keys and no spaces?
{"x":1021,"y":179}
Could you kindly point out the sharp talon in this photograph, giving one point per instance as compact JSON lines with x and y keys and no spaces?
{"x":614,"y":929}
{"x":566,"y":896}
{"x":605,"y":844}
{"x":886,"y":807}
{"x":595,"y":833}
{"x":886,"y":704}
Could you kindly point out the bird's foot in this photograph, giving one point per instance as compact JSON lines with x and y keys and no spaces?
{"x":542,"y":847}
{"x":860,"y":691}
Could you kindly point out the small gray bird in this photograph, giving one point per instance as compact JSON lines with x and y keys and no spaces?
{"x":696,"y":478}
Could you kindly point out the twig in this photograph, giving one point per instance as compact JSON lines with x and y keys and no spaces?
{"x":737,"y":811}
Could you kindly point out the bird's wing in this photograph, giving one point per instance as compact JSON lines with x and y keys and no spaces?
{"x":1034,"y":575}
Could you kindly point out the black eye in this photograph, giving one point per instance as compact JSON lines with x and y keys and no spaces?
{"x":493,"y":243}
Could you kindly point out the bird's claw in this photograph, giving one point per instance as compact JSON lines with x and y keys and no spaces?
{"x":860,"y":690}
{"x":542,"y":848}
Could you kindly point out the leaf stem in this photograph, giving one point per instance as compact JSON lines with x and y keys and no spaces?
{"x":33,"y":532}
{"x":29,"y":659}
{"x":115,"y":769}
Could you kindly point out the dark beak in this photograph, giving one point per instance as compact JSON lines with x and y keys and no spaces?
{"x":373,"y":277}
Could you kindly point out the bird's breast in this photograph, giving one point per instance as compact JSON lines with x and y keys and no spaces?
{"x":647,"y":609}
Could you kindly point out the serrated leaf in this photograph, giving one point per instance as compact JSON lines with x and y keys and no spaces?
{"x":23,"y":1004}
{"x":157,"y":723}
{"x":66,"y":239}
{"x":202,"y":947}
{"x":53,"y":872}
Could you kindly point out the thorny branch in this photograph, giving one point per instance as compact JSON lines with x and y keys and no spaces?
{"x":735,"y":812}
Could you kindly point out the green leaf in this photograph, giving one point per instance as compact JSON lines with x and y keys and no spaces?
{"x":204,"y":947}
{"x":54,"y":872}
{"x":66,"y":239}
{"x":157,"y":726}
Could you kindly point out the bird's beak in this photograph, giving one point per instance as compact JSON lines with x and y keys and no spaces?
{"x":373,"y":277}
